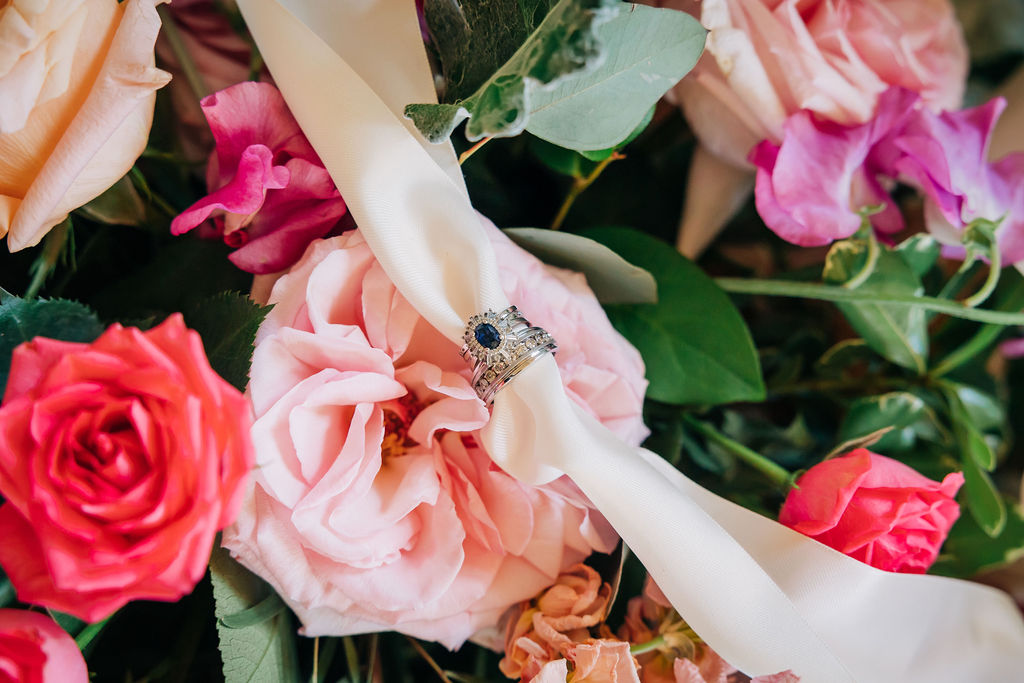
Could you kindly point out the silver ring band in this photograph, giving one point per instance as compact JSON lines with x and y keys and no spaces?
{"x":502,"y":344}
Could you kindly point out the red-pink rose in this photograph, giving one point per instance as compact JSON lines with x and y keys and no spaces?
{"x":270,"y":194}
{"x":34,"y":649}
{"x":874,"y":509}
{"x":119,"y":460}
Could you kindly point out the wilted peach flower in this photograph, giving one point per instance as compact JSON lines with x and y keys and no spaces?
{"x":560,"y":616}
{"x":594,"y":661}
{"x":77,"y":89}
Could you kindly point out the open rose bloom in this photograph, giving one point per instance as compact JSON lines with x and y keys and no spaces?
{"x":77,"y":91}
{"x":374,"y":505}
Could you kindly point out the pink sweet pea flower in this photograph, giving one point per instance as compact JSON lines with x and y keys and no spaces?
{"x":810,"y":188}
{"x":270,"y":194}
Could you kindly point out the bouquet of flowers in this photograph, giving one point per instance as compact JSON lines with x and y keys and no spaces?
{"x":532,"y":340}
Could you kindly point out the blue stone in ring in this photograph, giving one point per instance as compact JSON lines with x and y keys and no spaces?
{"x":487,"y":336}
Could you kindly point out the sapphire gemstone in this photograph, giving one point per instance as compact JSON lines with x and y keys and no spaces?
{"x":487,"y":336}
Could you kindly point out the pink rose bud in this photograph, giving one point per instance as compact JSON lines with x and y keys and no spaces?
{"x":119,"y":460}
{"x":34,"y":649}
{"x":874,"y":509}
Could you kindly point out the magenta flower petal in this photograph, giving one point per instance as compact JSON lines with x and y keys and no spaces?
{"x":245,"y":193}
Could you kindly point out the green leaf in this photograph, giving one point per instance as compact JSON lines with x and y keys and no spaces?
{"x":969,"y":549}
{"x":971,"y":441}
{"x":119,"y":205}
{"x":263,"y":651}
{"x":21,"y":321}
{"x":898,"y":333}
{"x":598,"y":155}
{"x":613,"y":279}
{"x":649,"y":50}
{"x":695,"y":345}
{"x":473,"y":40}
{"x":563,"y":44}
{"x":983,"y":500}
{"x":227,"y":322}
{"x":920,"y":252}
{"x":906,"y":414}
{"x":561,"y":160}
{"x":267,"y":608}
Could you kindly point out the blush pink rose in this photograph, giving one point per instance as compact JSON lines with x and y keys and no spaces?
{"x":77,"y":90}
{"x":270,"y":195}
{"x":34,"y":649}
{"x":374,"y":505}
{"x":119,"y":460}
{"x":874,"y":509}
{"x":768,"y":59}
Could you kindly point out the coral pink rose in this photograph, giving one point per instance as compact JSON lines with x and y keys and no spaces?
{"x":594,"y":661}
{"x":562,"y":614}
{"x":34,"y":649}
{"x":119,"y":460}
{"x":874,"y":509}
{"x":767,"y":59}
{"x":77,"y":89}
{"x":270,"y":195}
{"x":374,"y":505}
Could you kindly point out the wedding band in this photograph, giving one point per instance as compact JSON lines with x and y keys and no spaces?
{"x":502,"y":344}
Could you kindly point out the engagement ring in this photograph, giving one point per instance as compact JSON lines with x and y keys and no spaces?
{"x":502,"y":344}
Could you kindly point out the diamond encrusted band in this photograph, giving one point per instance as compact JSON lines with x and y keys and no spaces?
{"x":502,"y":344}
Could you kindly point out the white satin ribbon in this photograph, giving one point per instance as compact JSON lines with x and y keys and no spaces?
{"x":765,"y":597}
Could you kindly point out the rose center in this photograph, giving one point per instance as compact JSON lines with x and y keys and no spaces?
{"x":398,"y":416}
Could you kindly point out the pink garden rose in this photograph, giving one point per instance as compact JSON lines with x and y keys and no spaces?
{"x":594,"y":661}
{"x":874,"y":509}
{"x":119,"y":461}
{"x":374,"y":505}
{"x":270,"y":195}
{"x":768,"y":59}
{"x":34,"y":649}
{"x":77,"y":90}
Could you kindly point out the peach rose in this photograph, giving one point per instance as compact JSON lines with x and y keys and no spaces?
{"x":594,"y":661}
{"x":767,"y":59}
{"x":77,"y":90}
{"x":375,"y":506}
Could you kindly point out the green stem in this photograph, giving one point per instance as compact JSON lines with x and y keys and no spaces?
{"x":53,"y":244}
{"x":808,"y":290}
{"x":430,"y":660}
{"x":472,"y":150}
{"x":991,"y":280}
{"x":579,"y":186}
{"x":867,"y":386}
{"x":89,"y":633}
{"x":372,"y":662}
{"x":779,"y":475}
{"x":185,"y":61}
{"x":986,"y":335}
{"x":351,"y":658}
{"x":650,"y":645}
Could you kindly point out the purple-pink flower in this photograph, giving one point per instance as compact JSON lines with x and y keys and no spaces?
{"x":814,"y":187}
{"x":270,"y":195}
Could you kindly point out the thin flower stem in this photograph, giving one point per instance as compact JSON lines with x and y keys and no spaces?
{"x":351,"y":658}
{"x":1012,"y":300}
{"x":869,"y":264}
{"x":642,"y":648}
{"x":430,"y":660}
{"x":53,"y":244}
{"x":472,"y":150}
{"x":315,"y":678}
{"x":866,"y":386}
{"x":185,"y":61}
{"x":779,"y":475}
{"x":371,"y":666}
{"x":810,"y":290}
{"x":991,"y":280}
{"x":579,"y":185}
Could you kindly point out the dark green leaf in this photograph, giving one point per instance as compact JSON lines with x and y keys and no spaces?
{"x":561,"y":160}
{"x":119,"y":205}
{"x":898,"y":333}
{"x":564,"y":43}
{"x":695,"y":344}
{"x":613,"y":279}
{"x":906,"y":414}
{"x":648,"y":51}
{"x":969,"y":549}
{"x":474,"y":39}
{"x":971,"y":441}
{"x":227,"y":322}
{"x":264,"y":651}
{"x":983,"y":500}
{"x":21,"y":321}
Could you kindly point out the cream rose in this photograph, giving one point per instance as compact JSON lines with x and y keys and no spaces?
{"x":77,"y":90}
